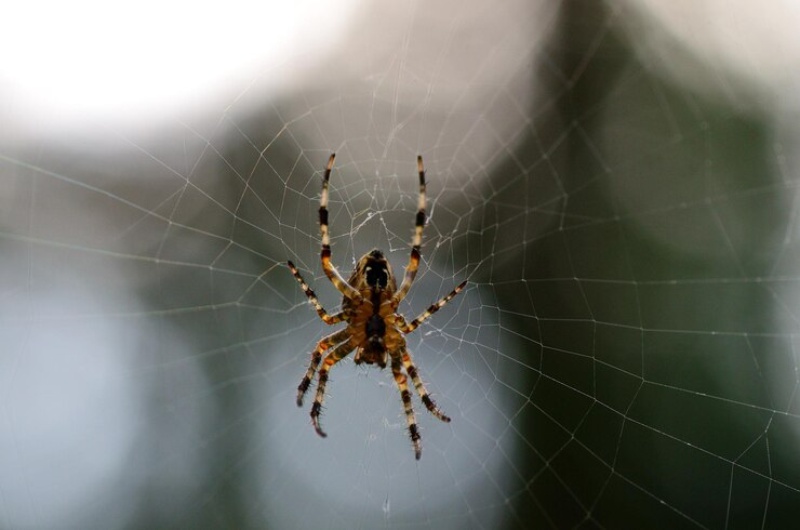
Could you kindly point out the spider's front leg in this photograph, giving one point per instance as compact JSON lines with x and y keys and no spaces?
{"x":330,"y":270}
{"x":416,"y":242}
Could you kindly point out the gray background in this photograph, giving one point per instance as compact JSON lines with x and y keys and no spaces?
{"x":617,"y":183}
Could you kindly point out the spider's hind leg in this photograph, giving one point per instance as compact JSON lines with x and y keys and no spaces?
{"x":421,"y":390}
{"x":405,"y":395}
{"x":316,"y":356}
{"x":337,"y":354}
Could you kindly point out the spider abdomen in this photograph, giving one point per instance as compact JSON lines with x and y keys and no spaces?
{"x":374,"y":328}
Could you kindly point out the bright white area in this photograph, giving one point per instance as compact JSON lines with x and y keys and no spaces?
{"x":750,"y":50}
{"x":87,"y":60}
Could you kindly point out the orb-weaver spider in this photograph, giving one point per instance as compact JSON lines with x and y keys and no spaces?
{"x":369,"y":307}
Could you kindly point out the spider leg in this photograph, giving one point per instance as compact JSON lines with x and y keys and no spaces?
{"x":336,"y":355}
{"x":414,"y":324}
{"x":405,"y":395}
{"x":330,"y":270}
{"x":416,"y":242}
{"x":316,"y":356}
{"x":312,"y":298}
{"x":423,"y":393}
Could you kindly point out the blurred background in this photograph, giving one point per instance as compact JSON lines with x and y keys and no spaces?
{"x":617,"y":182}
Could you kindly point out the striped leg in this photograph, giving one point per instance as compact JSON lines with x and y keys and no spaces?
{"x":339,"y":352}
{"x":312,"y":298}
{"x":405,"y":395}
{"x":416,"y":242}
{"x":408,"y":328}
{"x":423,"y":393}
{"x":330,"y":270}
{"x":316,"y":357}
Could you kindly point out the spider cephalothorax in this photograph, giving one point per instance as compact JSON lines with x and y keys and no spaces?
{"x":375,"y":271}
{"x":369,"y":307}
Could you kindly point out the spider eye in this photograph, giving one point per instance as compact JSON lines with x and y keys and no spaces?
{"x":377,"y":276}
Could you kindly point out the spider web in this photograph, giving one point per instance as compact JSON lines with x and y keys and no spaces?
{"x":621,"y":201}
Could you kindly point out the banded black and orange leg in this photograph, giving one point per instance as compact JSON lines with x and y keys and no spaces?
{"x":312,"y":298}
{"x":405,"y":395}
{"x":414,"y":324}
{"x":316,"y":356}
{"x":330,"y":270}
{"x":421,"y":390}
{"x":337,"y":354}
{"x":416,"y":241}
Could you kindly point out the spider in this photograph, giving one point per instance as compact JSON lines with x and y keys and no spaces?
{"x":369,"y":308}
